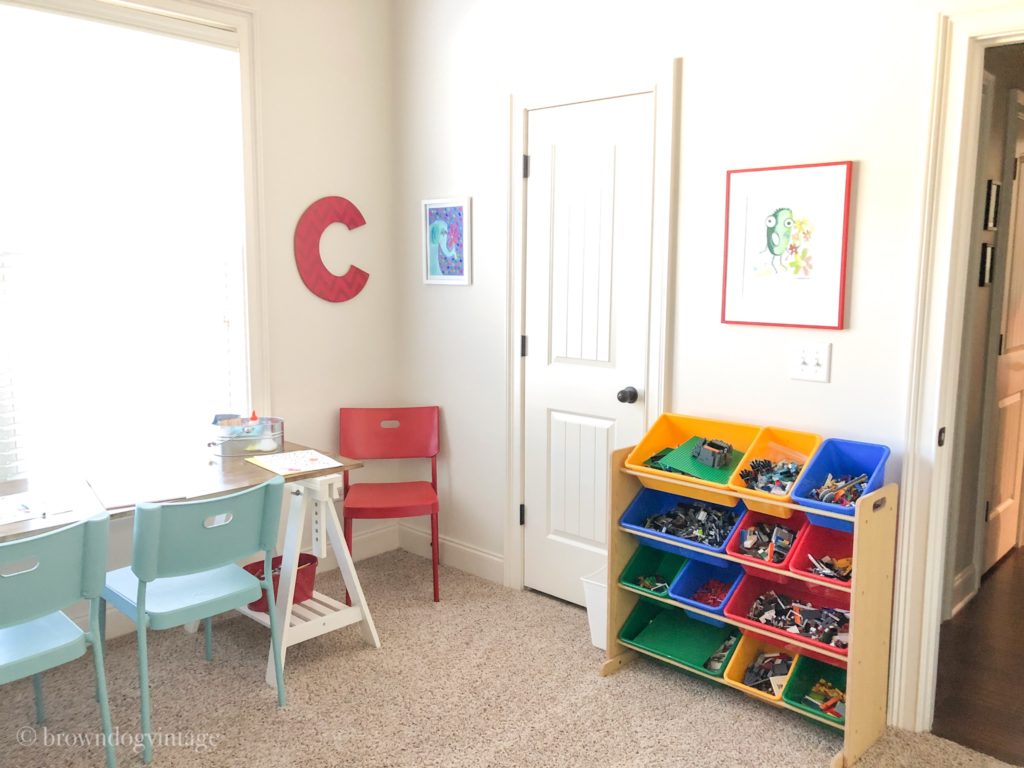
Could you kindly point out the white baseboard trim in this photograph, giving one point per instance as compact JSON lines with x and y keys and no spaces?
{"x":457,"y":554}
{"x":963,"y":588}
{"x":373,"y":542}
{"x":365,"y":544}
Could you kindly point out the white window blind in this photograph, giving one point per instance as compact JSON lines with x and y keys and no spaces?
{"x":122,"y":240}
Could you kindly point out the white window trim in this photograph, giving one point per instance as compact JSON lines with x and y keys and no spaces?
{"x":231,"y":28}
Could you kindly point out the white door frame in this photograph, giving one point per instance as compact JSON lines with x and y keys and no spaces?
{"x":665,"y":86}
{"x":938,"y":334}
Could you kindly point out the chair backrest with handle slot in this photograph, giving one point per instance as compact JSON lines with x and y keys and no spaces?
{"x":49,"y":572}
{"x":188,"y":537}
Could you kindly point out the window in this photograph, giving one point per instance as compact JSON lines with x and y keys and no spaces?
{"x":122,"y":239}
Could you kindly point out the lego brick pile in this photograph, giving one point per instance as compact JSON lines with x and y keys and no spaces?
{"x":827,"y":698}
{"x":830,"y":626}
{"x":838,"y":568}
{"x":695,"y":521}
{"x":843,"y":490}
{"x":717,"y":660}
{"x":767,"y":476}
{"x":768,"y":673}
{"x":656,"y":583}
{"x":771,"y":542}
{"x":712,"y":592}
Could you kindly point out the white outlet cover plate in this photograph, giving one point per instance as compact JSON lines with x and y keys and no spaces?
{"x":812,"y":362}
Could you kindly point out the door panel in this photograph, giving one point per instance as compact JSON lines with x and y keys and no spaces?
{"x":578,"y":500}
{"x":581,"y":254}
{"x":1003,"y":525}
{"x":588,"y":260}
{"x":1001,"y":530}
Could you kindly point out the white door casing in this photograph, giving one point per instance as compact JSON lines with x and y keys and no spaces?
{"x":588,"y":263}
{"x":952,"y":143}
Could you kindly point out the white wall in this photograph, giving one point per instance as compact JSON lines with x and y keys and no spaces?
{"x":763,"y":84}
{"x":326,"y":122}
{"x":326,"y":125}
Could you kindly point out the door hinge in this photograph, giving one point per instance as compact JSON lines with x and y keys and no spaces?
{"x":1016,"y":163}
{"x":526,"y":166}
{"x":522,"y":346}
{"x":942,"y":437}
{"x":988,"y":511}
{"x":1000,"y":345}
{"x":522,"y":514}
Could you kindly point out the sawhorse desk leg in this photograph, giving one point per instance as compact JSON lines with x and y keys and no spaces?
{"x":320,"y":614}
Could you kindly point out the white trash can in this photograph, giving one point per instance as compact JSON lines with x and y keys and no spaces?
{"x":595,"y":592}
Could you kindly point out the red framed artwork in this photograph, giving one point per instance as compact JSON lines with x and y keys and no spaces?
{"x":785,"y":245}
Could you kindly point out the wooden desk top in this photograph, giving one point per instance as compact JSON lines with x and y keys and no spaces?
{"x":127,"y":481}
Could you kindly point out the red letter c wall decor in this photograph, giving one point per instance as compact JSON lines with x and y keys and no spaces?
{"x":312,"y":224}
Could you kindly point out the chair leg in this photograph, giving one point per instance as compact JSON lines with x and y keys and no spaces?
{"x":101,"y":630}
{"x":275,"y":642}
{"x":147,"y":738}
{"x":101,"y":696}
{"x":37,"y":688}
{"x":347,"y":525}
{"x":102,"y":620}
{"x":208,"y":637}
{"x":434,"y":540}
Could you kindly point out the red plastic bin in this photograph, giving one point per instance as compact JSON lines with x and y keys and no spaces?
{"x":751,"y":587}
{"x":797,"y":523}
{"x":304,"y":579}
{"x":819,"y":541}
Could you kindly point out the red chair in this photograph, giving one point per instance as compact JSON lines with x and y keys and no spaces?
{"x":391,"y":433}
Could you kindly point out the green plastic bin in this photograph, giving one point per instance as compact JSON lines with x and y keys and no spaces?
{"x":648,"y":562}
{"x":806,"y":673}
{"x":670,"y":633}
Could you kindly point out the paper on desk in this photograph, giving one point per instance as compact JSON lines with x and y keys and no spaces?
{"x":19,"y":507}
{"x":294,"y":462}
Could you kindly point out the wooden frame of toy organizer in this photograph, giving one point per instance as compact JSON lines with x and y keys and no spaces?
{"x":870,"y":589}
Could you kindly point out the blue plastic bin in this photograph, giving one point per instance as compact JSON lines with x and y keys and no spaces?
{"x":840,"y":457}
{"x":694,"y":575}
{"x":650,"y":502}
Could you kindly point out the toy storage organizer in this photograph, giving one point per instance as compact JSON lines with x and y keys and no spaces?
{"x":684,"y":633}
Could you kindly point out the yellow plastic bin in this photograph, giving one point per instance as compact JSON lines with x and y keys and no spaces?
{"x":672,"y":430}
{"x":750,"y":646}
{"x":776,"y":444}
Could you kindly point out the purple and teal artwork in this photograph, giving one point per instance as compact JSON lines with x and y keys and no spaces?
{"x":446,"y":245}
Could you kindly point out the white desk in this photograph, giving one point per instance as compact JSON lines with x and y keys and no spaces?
{"x":201,"y":475}
{"x":315,"y":497}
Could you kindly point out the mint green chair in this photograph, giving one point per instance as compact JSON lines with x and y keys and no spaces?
{"x":39,"y":577}
{"x":184,"y":569}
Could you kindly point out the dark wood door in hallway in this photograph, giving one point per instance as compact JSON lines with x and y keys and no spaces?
{"x":980,"y":699}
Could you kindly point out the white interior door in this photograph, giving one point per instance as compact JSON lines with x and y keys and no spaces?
{"x":1003,"y":523}
{"x":587,"y":303}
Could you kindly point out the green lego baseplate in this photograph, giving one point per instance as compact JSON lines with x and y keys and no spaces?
{"x":682,"y":461}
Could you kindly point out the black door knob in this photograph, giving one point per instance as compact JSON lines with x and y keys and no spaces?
{"x":628,"y":395}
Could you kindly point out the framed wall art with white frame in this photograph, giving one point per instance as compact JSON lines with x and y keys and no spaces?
{"x":447,"y":241}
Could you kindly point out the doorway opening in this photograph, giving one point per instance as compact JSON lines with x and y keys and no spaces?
{"x":980,"y":667}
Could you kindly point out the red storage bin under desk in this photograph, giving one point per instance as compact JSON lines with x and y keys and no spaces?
{"x":304,"y":579}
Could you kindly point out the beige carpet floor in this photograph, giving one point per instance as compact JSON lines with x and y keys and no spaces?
{"x":487,"y":677}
